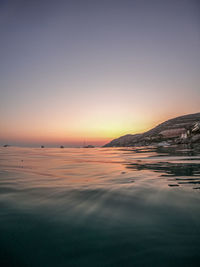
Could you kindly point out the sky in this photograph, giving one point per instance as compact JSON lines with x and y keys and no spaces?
{"x":87,"y":71}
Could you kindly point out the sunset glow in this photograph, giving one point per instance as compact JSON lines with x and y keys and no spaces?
{"x":99,"y":133}
{"x":75,"y":73}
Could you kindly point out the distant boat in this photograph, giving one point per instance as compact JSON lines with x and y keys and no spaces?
{"x":6,"y":145}
{"x":42,"y":146}
{"x":61,"y":146}
{"x":88,"y":146}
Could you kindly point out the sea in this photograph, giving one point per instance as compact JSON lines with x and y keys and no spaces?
{"x":99,"y":207}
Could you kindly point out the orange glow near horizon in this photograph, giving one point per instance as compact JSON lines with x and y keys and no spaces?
{"x":74,"y":73}
{"x":90,"y":131}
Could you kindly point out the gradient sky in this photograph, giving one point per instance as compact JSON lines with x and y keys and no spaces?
{"x":80,"y":70}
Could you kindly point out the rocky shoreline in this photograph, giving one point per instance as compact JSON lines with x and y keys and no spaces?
{"x":180,"y":130}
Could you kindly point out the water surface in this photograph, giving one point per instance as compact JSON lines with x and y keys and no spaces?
{"x":99,"y":207}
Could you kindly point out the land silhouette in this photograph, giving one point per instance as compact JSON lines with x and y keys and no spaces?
{"x":180,"y":130}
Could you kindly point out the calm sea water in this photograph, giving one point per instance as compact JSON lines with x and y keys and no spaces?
{"x":99,"y":207}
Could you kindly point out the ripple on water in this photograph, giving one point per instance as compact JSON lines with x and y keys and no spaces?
{"x":99,"y":207}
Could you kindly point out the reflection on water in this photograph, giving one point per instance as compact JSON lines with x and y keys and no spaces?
{"x":99,"y":207}
{"x":181,"y":166}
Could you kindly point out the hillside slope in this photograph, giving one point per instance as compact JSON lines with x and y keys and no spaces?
{"x":180,"y":130}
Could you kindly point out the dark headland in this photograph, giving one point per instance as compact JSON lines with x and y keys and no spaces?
{"x":180,"y":130}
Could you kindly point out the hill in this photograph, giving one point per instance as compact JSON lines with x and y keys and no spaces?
{"x":180,"y":130}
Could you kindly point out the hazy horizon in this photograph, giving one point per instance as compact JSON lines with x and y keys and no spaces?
{"x":75,"y":72}
{"x":58,"y":143}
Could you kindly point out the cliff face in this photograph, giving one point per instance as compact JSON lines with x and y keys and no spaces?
{"x":180,"y":130}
